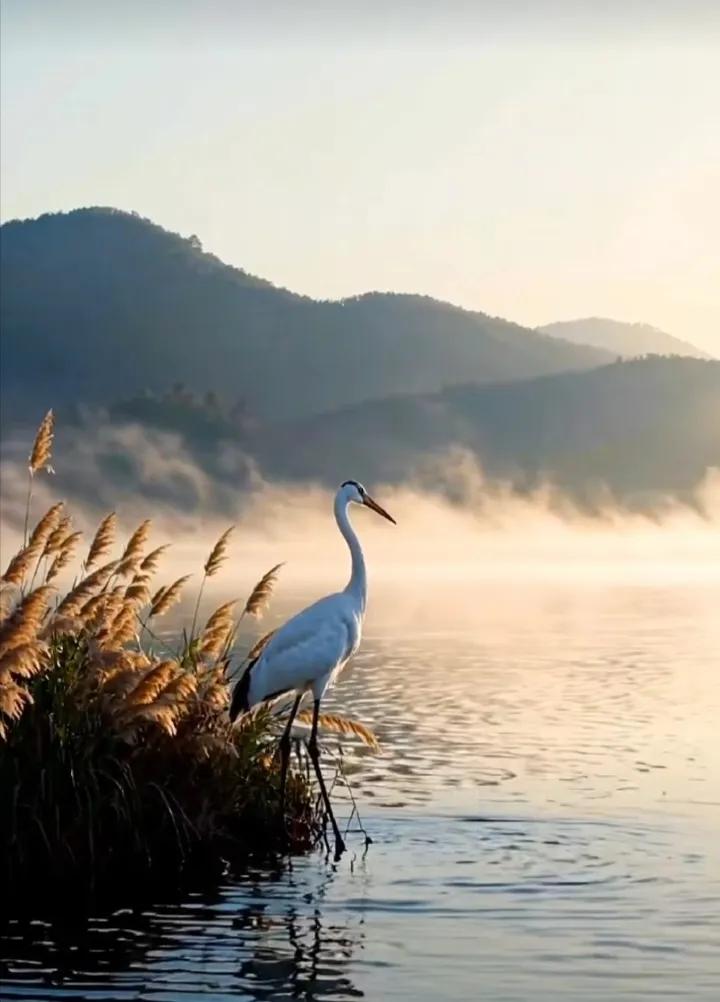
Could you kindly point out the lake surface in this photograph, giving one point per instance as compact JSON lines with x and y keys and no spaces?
{"x":545,"y":817}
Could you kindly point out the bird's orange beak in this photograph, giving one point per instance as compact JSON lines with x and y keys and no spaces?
{"x":369,"y":503}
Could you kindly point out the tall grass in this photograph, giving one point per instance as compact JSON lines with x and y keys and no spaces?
{"x":117,"y":761}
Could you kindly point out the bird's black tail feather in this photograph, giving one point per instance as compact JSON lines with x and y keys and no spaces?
{"x":239,"y":702}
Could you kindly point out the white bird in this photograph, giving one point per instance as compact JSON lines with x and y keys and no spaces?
{"x":311,"y":649}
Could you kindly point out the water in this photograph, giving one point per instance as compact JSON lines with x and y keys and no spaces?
{"x":545,"y":817}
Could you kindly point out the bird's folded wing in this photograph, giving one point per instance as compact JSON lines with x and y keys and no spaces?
{"x":306,"y":649}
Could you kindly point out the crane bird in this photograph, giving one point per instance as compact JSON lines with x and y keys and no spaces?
{"x":311,"y":649}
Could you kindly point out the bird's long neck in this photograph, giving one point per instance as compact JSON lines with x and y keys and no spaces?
{"x":357,"y":585}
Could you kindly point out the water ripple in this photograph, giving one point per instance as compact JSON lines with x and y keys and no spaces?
{"x":544,"y":815}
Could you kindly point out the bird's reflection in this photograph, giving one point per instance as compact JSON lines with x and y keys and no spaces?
{"x":297,"y":953}
{"x":264,"y":936}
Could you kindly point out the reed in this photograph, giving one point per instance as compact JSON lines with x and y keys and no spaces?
{"x":102,"y":540}
{"x":118,"y":765}
{"x":260,"y":595}
{"x":334,"y":723}
{"x":39,"y":459}
{"x":212,"y":565}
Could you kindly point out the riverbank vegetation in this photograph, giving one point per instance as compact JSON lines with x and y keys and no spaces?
{"x":118,"y":766}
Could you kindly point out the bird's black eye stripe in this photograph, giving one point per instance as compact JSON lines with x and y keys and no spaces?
{"x":354,"y":483}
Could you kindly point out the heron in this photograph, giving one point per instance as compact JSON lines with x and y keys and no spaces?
{"x":308,"y":653}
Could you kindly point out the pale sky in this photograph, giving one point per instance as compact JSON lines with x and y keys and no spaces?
{"x":535,"y":160}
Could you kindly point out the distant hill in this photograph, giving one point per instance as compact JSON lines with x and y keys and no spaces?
{"x":99,"y":304}
{"x":626,"y":340}
{"x":643,"y":428}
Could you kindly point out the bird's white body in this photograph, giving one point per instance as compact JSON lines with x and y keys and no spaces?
{"x":312,"y":648}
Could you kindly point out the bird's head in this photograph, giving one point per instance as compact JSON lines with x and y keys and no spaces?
{"x":351,"y":492}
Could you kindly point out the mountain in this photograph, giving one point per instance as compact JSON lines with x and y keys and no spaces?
{"x":98,"y":304}
{"x":625,"y":340}
{"x":642,"y":428}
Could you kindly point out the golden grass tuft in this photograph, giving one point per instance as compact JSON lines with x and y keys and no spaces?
{"x":23,"y":624}
{"x":84,"y":591}
{"x":138,"y":592}
{"x":20,"y":564}
{"x":55,"y":539}
{"x":41,"y":452}
{"x":47,"y":524}
{"x":260,"y":595}
{"x":218,"y":553}
{"x":218,"y":632}
{"x":150,"y":564}
{"x":165,"y":598}
{"x":66,"y":551}
{"x":102,"y":540}
{"x":133,"y":553}
{"x":23,"y":653}
{"x":13,"y":699}
{"x":341,"y":725}
{"x":152,"y":683}
{"x":23,"y":661}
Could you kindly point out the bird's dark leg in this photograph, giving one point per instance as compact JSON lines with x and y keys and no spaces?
{"x":314,"y":754}
{"x":285,"y":754}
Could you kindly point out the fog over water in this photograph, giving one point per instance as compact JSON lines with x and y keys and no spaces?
{"x":453,"y":523}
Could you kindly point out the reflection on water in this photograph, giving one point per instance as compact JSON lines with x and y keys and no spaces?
{"x":545,"y":816}
{"x":236,"y":942}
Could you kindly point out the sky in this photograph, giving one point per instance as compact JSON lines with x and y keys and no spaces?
{"x":534,"y":160}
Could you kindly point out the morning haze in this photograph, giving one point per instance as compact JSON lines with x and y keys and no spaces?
{"x":542,"y":165}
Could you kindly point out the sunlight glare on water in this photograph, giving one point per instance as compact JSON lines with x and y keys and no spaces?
{"x":545,"y":817}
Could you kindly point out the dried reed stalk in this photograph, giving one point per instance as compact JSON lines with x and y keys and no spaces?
{"x":218,"y":631}
{"x":24,"y":661}
{"x":65,"y":555}
{"x":138,"y":592}
{"x":42,"y":446}
{"x":260,"y":595}
{"x":150,"y":563}
{"x":341,"y":725}
{"x":124,"y":626}
{"x":46,"y":525}
{"x":38,"y":459}
{"x":218,"y":553}
{"x":133,"y":553}
{"x":178,"y":691}
{"x":152,"y":683}
{"x":78,"y":596}
{"x":222,"y":615}
{"x":103,"y":540}
{"x":211,"y":567}
{"x":13,"y":698}
{"x":212,"y":691}
{"x":165,"y":598}
{"x":20,"y":564}
{"x":56,"y":538}
{"x":23,"y":624}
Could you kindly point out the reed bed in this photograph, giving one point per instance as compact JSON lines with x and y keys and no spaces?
{"x":118,"y":765}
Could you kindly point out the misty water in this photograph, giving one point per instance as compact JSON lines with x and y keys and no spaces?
{"x":545,"y":817}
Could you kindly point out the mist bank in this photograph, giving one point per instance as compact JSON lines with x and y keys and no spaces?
{"x":636,"y":436}
{"x":454,"y":523}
